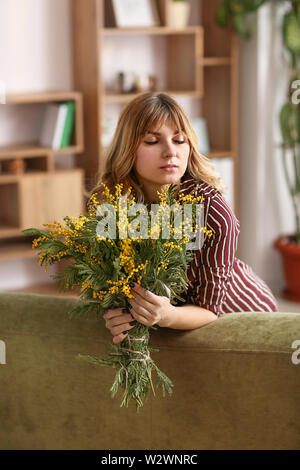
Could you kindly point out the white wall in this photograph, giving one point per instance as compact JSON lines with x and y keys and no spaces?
{"x":35,"y":55}
{"x":35,"y":43}
{"x":265,"y":207}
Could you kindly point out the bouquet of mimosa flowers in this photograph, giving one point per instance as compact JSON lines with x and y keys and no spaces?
{"x":116,"y":243}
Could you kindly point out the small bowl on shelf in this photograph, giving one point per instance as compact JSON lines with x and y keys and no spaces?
{"x":16,"y":166}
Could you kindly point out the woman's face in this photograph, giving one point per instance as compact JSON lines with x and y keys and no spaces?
{"x":161,"y":159}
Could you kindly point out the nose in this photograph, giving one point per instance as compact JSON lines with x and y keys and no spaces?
{"x":169,"y":150}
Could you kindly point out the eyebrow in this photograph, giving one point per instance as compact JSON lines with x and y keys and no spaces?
{"x":158,"y":133}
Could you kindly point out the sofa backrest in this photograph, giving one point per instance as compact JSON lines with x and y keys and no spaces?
{"x":236,"y":383}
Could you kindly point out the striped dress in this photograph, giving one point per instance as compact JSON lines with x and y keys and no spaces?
{"x":220,"y":282}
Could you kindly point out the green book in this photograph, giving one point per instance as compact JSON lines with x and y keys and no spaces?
{"x":69,"y":124}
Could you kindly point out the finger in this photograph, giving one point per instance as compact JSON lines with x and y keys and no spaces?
{"x":120,"y":320}
{"x":119,"y":338}
{"x":115,"y":312}
{"x":146,"y":294}
{"x":119,"y":329}
{"x":140,"y":309}
{"x":143,"y":316}
{"x":142,"y":319}
{"x":167,"y":289}
{"x":143,"y":302}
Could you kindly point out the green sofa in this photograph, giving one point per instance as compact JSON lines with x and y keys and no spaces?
{"x":235,"y":384}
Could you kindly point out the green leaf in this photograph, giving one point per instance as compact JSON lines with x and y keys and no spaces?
{"x":36,"y":231}
{"x":90,"y":359}
{"x":86,"y":309}
{"x":222,"y":15}
{"x":290,"y":123}
{"x":245,"y":6}
{"x":239,"y":23}
{"x":291,"y":32}
{"x":116,"y":265}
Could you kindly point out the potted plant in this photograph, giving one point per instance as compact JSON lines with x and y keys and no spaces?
{"x":178,"y":13}
{"x":288,"y":245}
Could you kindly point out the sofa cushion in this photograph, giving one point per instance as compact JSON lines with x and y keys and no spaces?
{"x":235,"y":385}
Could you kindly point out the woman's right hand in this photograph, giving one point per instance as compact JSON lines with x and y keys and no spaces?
{"x":119,"y":321}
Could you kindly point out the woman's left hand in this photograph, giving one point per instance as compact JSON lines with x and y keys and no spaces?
{"x":148,"y":308}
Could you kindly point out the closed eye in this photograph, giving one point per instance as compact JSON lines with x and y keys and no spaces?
{"x":177,"y":142}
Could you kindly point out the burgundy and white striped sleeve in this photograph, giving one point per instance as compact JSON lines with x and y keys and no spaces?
{"x":211,"y":270}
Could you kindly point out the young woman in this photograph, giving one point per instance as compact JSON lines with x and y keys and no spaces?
{"x":155,"y":145}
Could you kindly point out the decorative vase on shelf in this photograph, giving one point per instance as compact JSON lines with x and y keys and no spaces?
{"x":16,"y":166}
{"x":290,"y":257}
{"x":178,"y":13}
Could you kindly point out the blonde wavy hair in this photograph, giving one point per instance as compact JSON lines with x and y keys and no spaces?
{"x":146,"y":112}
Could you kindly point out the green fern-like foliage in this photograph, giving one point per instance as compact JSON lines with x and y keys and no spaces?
{"x":237,"y":12}
{"x":102,"y":269}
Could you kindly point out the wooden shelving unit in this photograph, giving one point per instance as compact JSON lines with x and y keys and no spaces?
{"x":124,"y":98}
{"x":34,"y":148}
{"x":155,"y":30}
{"x":48,"y":289}
{"x":16,"y":248}
{"x":201,"y":64}
{"x":42,"y":193}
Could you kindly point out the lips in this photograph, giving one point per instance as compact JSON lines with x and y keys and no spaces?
{"x":169,"y":166}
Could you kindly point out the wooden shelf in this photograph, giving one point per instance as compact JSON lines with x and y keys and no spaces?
{"x":34,"y":149}
{"x":16,"y":177}
{"x":40,"y":193}
{"x":42,"y":97}
{"x":199,"y":62}
{"x":37,"y":197}
{"x":8,"y":153}
{"x":220,"y":154}
{"x":16,"y":250}
{"x":124,"y":98}
{"x":215,"y":61}
{"x":7,"y":231}
{"x":158,"y":30}
{"x":47,"y":289}
{"x":52,"y":96}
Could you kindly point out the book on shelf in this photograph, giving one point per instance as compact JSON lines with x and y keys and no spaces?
{"x":69,"y":124}
{"x":224,"y":166}
{"x":58,"y":125}
{"x":200,"y":127}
